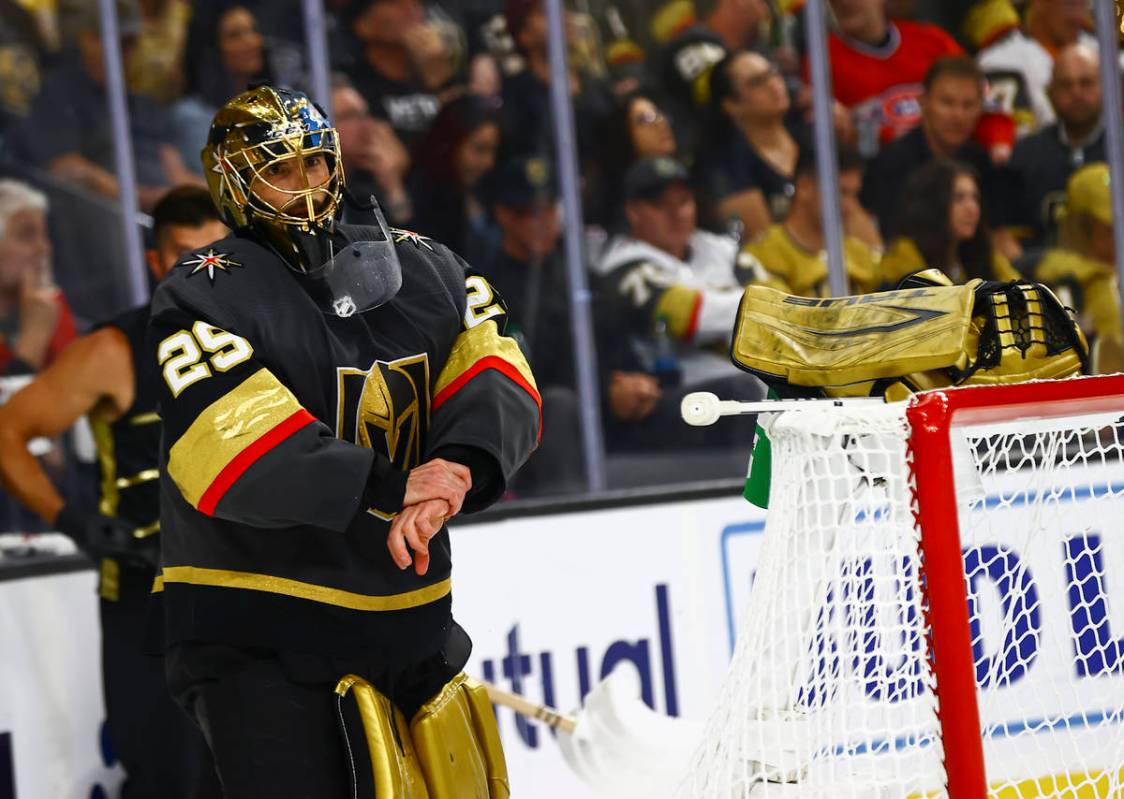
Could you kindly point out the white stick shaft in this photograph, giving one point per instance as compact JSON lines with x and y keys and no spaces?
{"x":734,"y":408}
{"x":701,"y":408}
{"x":548,"y":716}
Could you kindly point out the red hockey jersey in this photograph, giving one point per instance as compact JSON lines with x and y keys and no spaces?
{"x":882,"y":85}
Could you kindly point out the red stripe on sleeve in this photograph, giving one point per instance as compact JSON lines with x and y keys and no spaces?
{"x":500,"y":365}
{"x":246,"y":458}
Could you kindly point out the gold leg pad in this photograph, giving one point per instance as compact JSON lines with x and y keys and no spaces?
{"x":394,"y":763}
{"x":458,"y":744}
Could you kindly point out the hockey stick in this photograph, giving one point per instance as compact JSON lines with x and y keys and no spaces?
{"x":524,"y":707}
{"x":616,"y":743}
{"x":701,"y":408}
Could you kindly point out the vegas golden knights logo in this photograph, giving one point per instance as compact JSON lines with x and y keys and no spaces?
{"x":386,"y":408}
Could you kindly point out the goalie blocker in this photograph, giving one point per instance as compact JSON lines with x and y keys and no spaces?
{"x":927,"y":334}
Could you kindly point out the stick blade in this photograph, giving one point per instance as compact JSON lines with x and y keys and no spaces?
{"x":622,"y":746}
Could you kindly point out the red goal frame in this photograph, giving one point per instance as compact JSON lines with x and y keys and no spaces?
{"x":931,"y":416}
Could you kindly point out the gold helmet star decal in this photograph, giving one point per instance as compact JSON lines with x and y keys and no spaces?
{"x":416,"y":239}
{"x":209,"y":262}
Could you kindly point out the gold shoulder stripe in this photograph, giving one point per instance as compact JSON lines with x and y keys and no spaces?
{"x":225,"y":429}
{"x":479,"y":348}
{"x":249,"y":581}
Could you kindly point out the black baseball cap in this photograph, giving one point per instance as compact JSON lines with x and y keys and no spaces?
{"x":648,"y":177}
{"x":524,"y":181}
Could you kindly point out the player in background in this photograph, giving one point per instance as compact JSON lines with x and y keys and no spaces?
{"x":105,"y":376}
{"x":1082,"y":268}
{"x":331,"y":394}
{"x":792,"y":252}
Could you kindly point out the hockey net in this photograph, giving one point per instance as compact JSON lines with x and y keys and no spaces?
{"x":935,"y":604}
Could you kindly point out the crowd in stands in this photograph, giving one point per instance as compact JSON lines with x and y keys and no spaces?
{"x":971,"y":139}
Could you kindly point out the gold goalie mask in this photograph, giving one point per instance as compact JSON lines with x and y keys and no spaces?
{"x":272,"y":158}
{"x":927,"y":334}
{"x":273,"y":166}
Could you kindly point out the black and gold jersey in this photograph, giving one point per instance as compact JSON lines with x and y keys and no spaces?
{"x":128,"y":447}
{"x":288,"y":433}
{"x":775,"y":259}
{"x":128,"y":465}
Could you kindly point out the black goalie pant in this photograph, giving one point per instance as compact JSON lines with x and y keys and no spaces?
{"x":274,"y":724}
{"x":160,"y":749}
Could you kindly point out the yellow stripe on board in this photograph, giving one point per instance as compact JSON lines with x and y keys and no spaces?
{"x":222,"y":578}
{"x":1078,"y":785}
{"x":1090,"y":785}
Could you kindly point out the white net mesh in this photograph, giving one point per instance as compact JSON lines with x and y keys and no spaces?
{"x":830,"y":692}
{"x":1043,"y":542}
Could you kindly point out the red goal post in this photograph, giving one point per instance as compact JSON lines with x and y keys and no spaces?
{"x":931,"y":417}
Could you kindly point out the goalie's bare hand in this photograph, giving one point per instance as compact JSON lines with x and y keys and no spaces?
{"x":438,"y":479}
{"x":412,"y":529}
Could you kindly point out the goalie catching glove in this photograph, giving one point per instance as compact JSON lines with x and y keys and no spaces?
{"x":926,"y":334}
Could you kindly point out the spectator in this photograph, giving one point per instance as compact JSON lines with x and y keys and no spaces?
{"x":685,"y":66}
{"x":22,"y":52}
{"x":748,"y":171}
{"x":528,"y":270}
{"x":989,"y":21}
{"x":404,"y":64}
{"x":950,"y":109}
{"x":670,"y":298}
{"x":35,"y":321}
{"x":234,"y":55}
{"x":452,"y":161}
{"x":1035,"y":179}
{"x":528,"y":125}
{"x":726,"y":26}
{"x":1082,"y":268}
{"x":528,"y":273}
{"x":877,"y":71}
{"x":638,"y":127}
{"x":943,"y":227}
{"x":374,"y":158}
{"x":155,"y":68}
{"x":1019,"y":66}
{"x":69,"y":131}
{"x":791,"y":253}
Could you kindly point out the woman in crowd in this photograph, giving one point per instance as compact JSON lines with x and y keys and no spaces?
{"x":748,"y":169}
{"x":639,"y":127}
{"x":232,"y":55}
{"x":35,"y":320}
{"x":942,"y":226}
{"x":450,"y":164}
